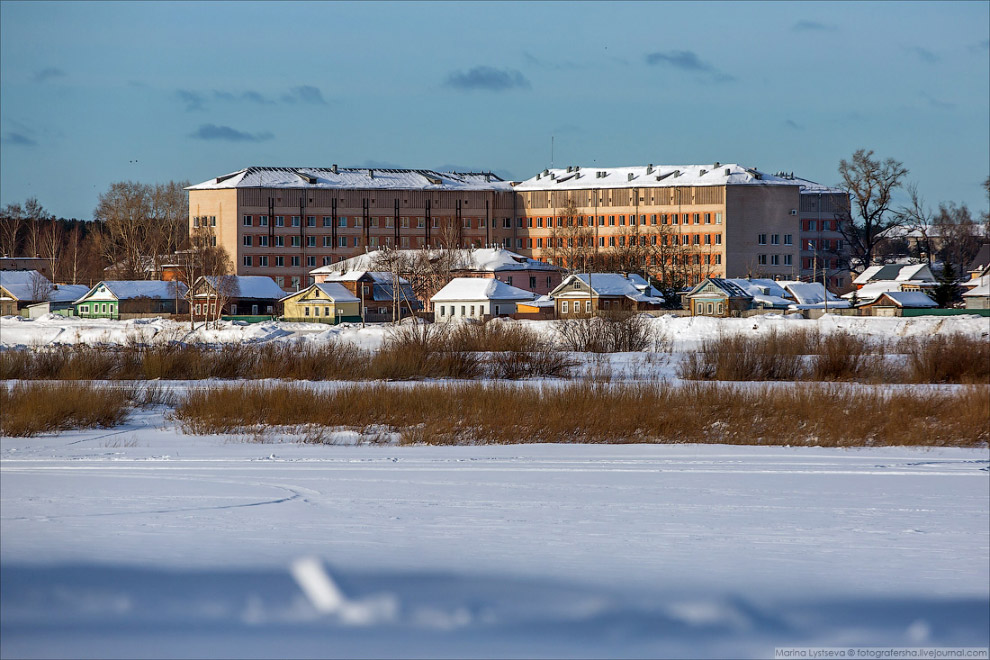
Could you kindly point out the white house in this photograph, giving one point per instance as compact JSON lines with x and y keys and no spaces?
{"x":477,"y":298}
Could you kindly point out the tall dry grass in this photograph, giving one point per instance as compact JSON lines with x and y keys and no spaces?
{"x":612,"y":332}
{"x":31,"y":408}
{"x":830,"y":415}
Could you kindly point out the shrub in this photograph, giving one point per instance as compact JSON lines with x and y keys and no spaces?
{"x":32,"y":408}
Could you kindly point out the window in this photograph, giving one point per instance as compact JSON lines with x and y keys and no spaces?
{"x":262,"y":220}
{"x":327,"y":261}
{"x":311,"y":262}
{"x":611,"y":220}
{"x":279,"y":262}
{"x":611,"y":241}
{"x":316,"y":311}
{"x":673,"y":218}
{"x":622,"y":220}
{"x":788,"y":260}
{"x":708,"y":239}
{"x":327,"y":241}
{"x":653,"y":220}
{"x":311,"y":241}
{"x":718,"y":218}
{"x":195,"y":221}
{"x":532,"y":282}
{"x":295,"y":282}
{"x":587,"y":306}
{"x":718,"y":258}
{"x":279,"y":220}
{"x":761,"y":259}
{"x":295,"y":220}
{"x":246,"y":221}
{"x":295,"y":261}
{"x":247,"y":241}
{"x":601,"y":241}
{"x":775,"y":239}
{"x":262,"y":241}
{"x":279,"y":241}
{"x":788,"y":239}
{"x":472,"y":310}
{"x":718,"y":239}
{"x":601,"y":220}
{"x":696,"y":240}
{"x":213,"y":221}
{"x":708,"y":218}
{"x":761,"y":239}
{"x":519,"y":242}
{"x":697,"y":218}
{"x":310,"y":220}
{"x":296,"y":241}
{"x":247,"y":261}
{"x":684,"y":239}
{"x":305,"y":311}
{"x":774,"y":259}
{"x":548,"y":281}
{"x":563,"y":307}
{"x":263,"y":261}
{"x":327,"y":221}
{"x":280,"y":281}
{"x":811,"y":225}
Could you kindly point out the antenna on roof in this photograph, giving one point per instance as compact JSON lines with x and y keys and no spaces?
{"x":551,"y":151}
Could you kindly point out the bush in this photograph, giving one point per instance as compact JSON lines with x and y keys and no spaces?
{"x":33,"y":408}
{"x":611,"y":332}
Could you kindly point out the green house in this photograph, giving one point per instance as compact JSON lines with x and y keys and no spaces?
{"x":116,"y":299}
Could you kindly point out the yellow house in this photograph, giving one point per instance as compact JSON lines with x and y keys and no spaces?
{"x":322,"y":303}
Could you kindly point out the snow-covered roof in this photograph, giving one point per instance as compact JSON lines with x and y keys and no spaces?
{"x":377,"y":276}
{"x":541,"y":301}
{"x":256,"y":287}
{"x":130,"y":289}
{"x":661,"y":176}
{"x":809,"y":293}
{"x":898,"y":272}
{"x":909,"y":299}
{"x":872,"y":291}
{"x":982,"y":287}
{"x":631,"y":286}
{"x":763,"y":291}
{"x":474,"y":259}
{"x":332,"y":290}
{"x":67,"y":292}
{"x":480,"y":288}
{"x":353,"y":178}
{"x":24,"y":284}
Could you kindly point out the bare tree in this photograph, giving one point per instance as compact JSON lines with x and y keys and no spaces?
{"x":571,"y":240}
{"x":41,"y":287}
{"x":870,"y":184}
{"x":35,"y":216}
{"x":124,"y":210}
{"x":11,"y":221}
{"x":203,"y":257}
{"x":51,"y":245}
{"x":960,"y":236}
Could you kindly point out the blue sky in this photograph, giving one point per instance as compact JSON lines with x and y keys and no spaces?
{"x":92,"y":93}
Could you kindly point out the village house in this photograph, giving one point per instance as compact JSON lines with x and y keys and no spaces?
{"x":477,"y":298}
{"x":717,"y":296}
{"x":893,"y":300}
{"x":61,"y":301}
{"x":377,"y":291}
{"x":20,"y":288}
{"x":978,"y":297}
{"x":580,"y":293}
{"x":240,"y":296}
{"x":125,"y":299}
{"x":328,"y":302}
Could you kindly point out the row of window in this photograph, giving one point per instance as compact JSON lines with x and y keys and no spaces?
{"x":539,"y":221}
{"x":761,"y":239}
{"x":826,"y":244}
{"x":825,"y":225}
{"x":774,"y":259}
{"x":565,"y":307}
{"x":204,"y":221}
{"x":807,"y":263}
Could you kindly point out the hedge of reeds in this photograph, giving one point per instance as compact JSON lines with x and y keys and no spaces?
{"x":30,"y":408}
{"x":408,"y":352}
{"x":840,"y":356}
{"x":476,"y":413}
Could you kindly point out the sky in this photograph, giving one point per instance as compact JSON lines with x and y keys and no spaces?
{"x":93,"y":93}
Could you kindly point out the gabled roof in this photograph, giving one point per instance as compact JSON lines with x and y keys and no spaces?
{"x":899,"y":272}
{"x":872,"y":291}
{"x":332,"y":290}
{"x":131,"y":289}
{"x":480,"y":288}
{"x":728,"y":286}
{"x":488,"y":260}
{"x":353,"y":178}
{"x":67,"y":292}
{"x":613,"y":285}
{"x":255,"y":287}
{"x":764,"y":292}
{"x":376,"y":276}
{"x":23,"y":285}
{"x":908,"y":298}
{"x":982,"y":287}
{"x":809,"y":293}
{"x":981,"y":260}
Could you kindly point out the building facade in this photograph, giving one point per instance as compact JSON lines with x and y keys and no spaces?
{"x":696,"y":221}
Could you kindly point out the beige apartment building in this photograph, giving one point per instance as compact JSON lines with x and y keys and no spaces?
{"x":717,"y":220}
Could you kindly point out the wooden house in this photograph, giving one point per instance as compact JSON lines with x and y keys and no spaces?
{"x":122,"y":299}
{"x":245,"y":297}
{"x":580,"y":293}
{"x":477,"y":298}
{"x":327,"y":302}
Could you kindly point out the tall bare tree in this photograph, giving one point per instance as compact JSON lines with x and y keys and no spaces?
{"x":51,"y":246}
{"x":11,"y":221}
{"x":571,"y":240}
{"x":960,"y":236}
{"x":870,"y":183}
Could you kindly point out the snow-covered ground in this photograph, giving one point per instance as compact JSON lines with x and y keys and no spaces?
{"x":687,"y":333}
{"x":140,"y":541}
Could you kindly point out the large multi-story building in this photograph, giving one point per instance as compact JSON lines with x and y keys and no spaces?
{"x":719,"y":220}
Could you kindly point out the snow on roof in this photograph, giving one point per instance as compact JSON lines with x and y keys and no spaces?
{"x":982,"y":287}
{"x":872,"y":291}
{"x":377,"y":276}
{"x":332,"y":290}
{"x":541,"y":301}
{"x":763,"y":291}
{"x":899,"y":272}
{"x":480,"y":288}
{"x":67,"y":292}
{"x":631,"y":286}
{"x":130,"y":289}
{"x":660,"y":176}
{"x":24,"y":284}
{"x":257,"y":287}
{"x":909,"y":298}
{"x":478,"y":259}
{"x":809,"y":293}
{"x":353,"y":178}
